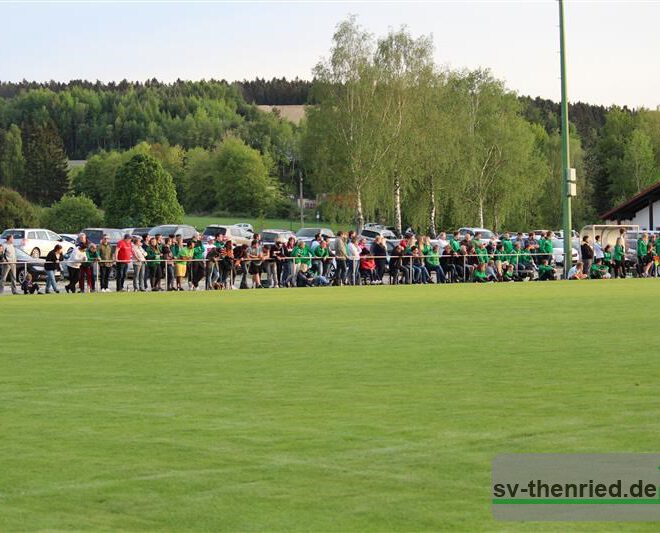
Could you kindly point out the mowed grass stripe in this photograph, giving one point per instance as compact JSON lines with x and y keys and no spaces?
{"x":373,"y":408}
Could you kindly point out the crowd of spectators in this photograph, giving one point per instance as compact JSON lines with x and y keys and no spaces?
{"x":167,"y":263}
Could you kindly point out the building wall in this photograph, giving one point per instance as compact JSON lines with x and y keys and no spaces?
{"x":641,"y":218}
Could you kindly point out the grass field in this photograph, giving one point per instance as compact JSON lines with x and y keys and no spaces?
{"x":344,"y":409}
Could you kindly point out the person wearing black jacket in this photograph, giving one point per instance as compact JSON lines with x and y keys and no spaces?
{"x":587,"y":252}
{"x":278,"y":254}
{"x":52,"y":266}
{"x":398,"y":266}
{"x":379,"y":251}
{"x":448,"y":264}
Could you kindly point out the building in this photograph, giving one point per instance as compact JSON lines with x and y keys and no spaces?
{"x":641,"y":210}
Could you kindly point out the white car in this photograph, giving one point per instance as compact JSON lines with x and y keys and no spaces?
{"x":270,"y":236}
{"x":245,"y":226}
{"x":371,"y":233}
{"x":36,"y":242}
{"x":486,"y":234}
{"x":558,"y":252}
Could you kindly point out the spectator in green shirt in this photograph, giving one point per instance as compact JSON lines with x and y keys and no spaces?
{"x":643,"y":258}
{"x":154,"y":264}
{"x":302,"y":254}
{"x":546,"y":271}
{"x":432,"y":261}
{"x":618,"y":258}
{"x":480,"y":275}
{"x":598,"y":270}
{"x":183,"y":256}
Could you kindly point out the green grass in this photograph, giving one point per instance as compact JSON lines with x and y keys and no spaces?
{"x":344,"y":409}
{"x":259,"y":224}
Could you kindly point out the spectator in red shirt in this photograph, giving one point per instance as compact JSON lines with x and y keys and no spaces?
{"x":367,"y":266}
{"x":123,"y":256}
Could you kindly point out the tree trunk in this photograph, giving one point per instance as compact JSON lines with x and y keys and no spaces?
{"x":432,"y":215}
{"x":359,"y":214}
{"x":397,"y":205}
{"x":481,"y":212}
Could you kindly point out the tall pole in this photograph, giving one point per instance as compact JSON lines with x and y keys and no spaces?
{"x":565,"y":159}
{"x":302,"y":212}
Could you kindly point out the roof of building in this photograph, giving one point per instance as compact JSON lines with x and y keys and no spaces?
{"x":629,"y":208}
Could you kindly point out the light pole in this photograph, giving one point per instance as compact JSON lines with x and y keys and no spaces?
{"x":568,"y":184}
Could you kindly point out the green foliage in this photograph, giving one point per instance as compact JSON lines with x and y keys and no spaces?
{"x":241,"y":179}
{"x":627,"y":156}
{"x":143,"y":195}
{"x":16,"y":211}
{"x":401,"y":140}
{"x":12,"y":162}
{"x":71,"y":214}
{"x":46,"y":177}
{"x":201,"y":196}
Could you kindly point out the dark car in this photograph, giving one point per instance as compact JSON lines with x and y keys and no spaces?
{"x":137,"y":231}
{"x":27,"y":263}
{"x":96,"y":234}
{"x":187,"y":232}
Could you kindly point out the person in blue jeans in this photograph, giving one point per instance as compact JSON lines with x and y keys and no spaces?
{"x":123,"y":256}
{"x":52,"y":266}
{"x":432,"y":263}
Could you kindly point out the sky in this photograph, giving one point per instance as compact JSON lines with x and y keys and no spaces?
{"x":613,"y":48}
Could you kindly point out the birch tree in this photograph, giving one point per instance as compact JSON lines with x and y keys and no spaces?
{"x":357,"y":119}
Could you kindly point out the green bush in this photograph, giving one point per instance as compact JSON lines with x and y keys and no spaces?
{"x":143,"y":195}
{"x":71,"y":214}
{"x":16,"y":211}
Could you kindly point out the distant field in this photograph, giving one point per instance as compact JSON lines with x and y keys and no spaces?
{"x":340,"y":409}
{"x":200,"y":222}
{"x":292,"y":113}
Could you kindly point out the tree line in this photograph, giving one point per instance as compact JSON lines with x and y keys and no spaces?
{"x":388,"y":136}
{"x":396,"y":138}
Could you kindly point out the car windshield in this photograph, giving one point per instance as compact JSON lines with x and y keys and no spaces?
{"x":370,"y":234}
{"x":94,"y":235}
{"x":307,"y":232}
{"x":212,"y":231}
{"x":17,"y":233}
{"x":271,"y":236}
{"x":22,"y":256}
{"x":170,"y":229}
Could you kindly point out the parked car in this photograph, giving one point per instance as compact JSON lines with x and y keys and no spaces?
{"x":96,"y":234}
{"x":137,"y":231}
{"x":574,"y":234}
{"x":308,"y":234}
{"x":371,"y":233}
{"x":236,"y":234}
{"x":187,"y":232}
{"x":558,"y":252}
{"x":269,"y":236}
{"x":69,"y":237}
{"x":486,"y":234}
{"x":33,"y":265}
{"x":35,"y":241}
{"x":375,"y":226}
{"x":247,"y":227}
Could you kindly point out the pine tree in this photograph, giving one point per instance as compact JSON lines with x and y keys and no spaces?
{"x":46,"y":170}
{"x":12,"y":163}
